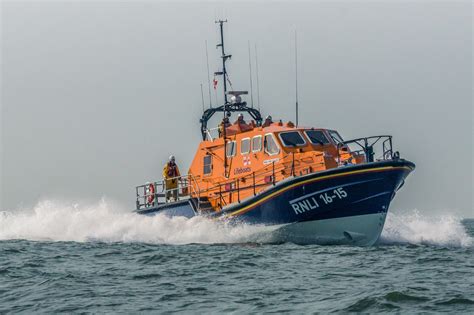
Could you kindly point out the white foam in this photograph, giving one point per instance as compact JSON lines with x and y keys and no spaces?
{"x":415,"y":228}
{"x":109,"y":222}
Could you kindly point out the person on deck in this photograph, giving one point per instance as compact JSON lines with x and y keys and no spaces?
{"x":242,"y":124}
{"x":268,"y":121}
{"x":224,"y":124}
{"x":170,"y":172}
{"x":240,"y":120}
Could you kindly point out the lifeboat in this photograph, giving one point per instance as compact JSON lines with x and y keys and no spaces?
{"x":308,"y":183}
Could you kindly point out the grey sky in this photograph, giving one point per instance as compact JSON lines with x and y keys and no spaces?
{"x":96,"y":95}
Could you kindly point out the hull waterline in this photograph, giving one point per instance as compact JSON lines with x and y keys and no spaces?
{"x":361,"y":230}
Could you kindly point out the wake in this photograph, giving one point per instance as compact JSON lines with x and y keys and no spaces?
{"x":105,"y":221}
{"x":416,"y":228}
{"x":109,"y":222}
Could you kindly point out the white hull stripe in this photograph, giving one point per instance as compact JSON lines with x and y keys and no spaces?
{"x":373,"y":196}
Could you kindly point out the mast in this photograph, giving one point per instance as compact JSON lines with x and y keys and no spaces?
{"x":224,"y":58}
{"x":224,"y":76}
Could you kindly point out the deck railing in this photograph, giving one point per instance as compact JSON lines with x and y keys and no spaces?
{"x":155,"y":193}
{"x":369,"y":146}
{"x":212,"y":133}
{"x":232,"y":190}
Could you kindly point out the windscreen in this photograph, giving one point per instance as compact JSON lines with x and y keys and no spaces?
{"x":292,"y":139}
{"x":335,"y":135}
{"x":317,"y":137}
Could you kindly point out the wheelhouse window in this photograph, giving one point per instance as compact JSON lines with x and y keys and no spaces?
{"x":230,"y":149}
{"x":292,"y":139}
{"x":257,"y":144}
{"x":317,"y":137}
{"x":335,"y":136}
{"x":245,"y":146}
{"x":271,"y":147}
{"x":207,"y":164}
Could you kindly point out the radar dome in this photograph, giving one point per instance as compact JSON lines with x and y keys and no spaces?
{"x":235,"y":99}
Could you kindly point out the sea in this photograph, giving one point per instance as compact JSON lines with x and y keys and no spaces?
{"x":60,"y":257}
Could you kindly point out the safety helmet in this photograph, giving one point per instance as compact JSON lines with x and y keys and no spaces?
{"x":240,"y":116}
{"x":171,"y":158}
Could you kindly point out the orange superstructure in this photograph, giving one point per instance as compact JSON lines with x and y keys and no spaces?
{"x":259,"y":156}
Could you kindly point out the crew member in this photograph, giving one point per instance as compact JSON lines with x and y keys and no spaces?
{"x":268,"y":121}
{"x":240,"y":120}
{"x":224,"y":124}
{"x":242,"y":124}
{"x":170,"y":174}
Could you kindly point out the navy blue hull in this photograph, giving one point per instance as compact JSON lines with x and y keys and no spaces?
{"x":343,"y":192}
{"x":337,"y":193}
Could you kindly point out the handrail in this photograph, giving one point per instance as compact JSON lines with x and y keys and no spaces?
{"x":367,"y":146}
{"x":209,"y":133}
{"x":190,"y":182}
{"x":198,"y":193}
{"x":290,"y":164}
{"x":187,"y":182}
{"x":233,"y":186}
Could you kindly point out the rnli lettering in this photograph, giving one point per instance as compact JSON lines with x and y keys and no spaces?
{"x":310,"y":202}
{"x":305,"y":205}
{"x":240,"y":170}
